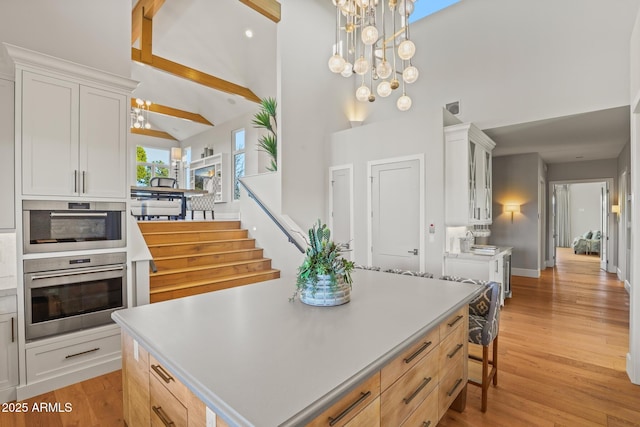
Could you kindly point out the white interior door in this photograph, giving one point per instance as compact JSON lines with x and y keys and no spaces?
{"x":395,"y":214}
{"x":341,"y":207}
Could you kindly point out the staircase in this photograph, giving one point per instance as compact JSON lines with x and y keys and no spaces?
{"x":193,"y":257}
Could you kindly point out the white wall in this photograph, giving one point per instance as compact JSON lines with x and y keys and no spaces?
{"x":89,"y":32}
{"x":584,"y":206}
{"x":421,"y":135}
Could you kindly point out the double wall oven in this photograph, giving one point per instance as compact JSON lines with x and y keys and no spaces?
{"x":69,"y":293}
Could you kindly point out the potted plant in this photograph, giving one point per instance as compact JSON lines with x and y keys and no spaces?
{"x":266,"y":119}
{"x":324,"y":278}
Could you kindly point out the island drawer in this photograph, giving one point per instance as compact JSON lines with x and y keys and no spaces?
{"x":426,"y":415}
{"x":406,"y":394}
{"x":166,"y":410}
{"x":450,"y":386}
{"x":354,"y":402}
{"x":453,"y":349}
{"x":457,"y":318}
{"x":409,"y":358}
{"x":167,"y":379}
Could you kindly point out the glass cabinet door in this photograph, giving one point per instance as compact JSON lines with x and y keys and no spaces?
{"x":473,"y":182}
{"x":488,"y":202}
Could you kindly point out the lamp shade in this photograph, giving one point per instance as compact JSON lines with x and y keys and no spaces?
{"x":615,"y":209}
{"x":511,"y":207}
{"x":176,"y":154}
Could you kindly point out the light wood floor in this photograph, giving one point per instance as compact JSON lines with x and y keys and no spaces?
{"x":563,"y":343}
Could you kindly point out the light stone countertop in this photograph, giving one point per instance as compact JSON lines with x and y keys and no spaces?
{"x":501,"y":251}
{"x":257,"y":359}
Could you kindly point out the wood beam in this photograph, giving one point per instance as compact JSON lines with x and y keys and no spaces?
{"x":174,"y":112}
{"x":268,"y":8}
{"x":152,"y":132}
{"x":146,"y":40}
{"x":144,"y":8}
{"x":195,"y":76}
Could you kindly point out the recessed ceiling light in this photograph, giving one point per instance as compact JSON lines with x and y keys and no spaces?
{"x":248,"y":33}
{"x":231,"y":101}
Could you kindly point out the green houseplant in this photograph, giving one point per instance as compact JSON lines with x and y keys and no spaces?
{"x":324,"y":278}
{"x":266,"y":119}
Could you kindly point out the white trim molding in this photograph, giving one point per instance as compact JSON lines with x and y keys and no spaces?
{"x":525,"y":272}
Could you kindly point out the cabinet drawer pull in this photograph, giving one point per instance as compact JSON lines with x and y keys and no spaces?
{"x":81,"y":353}
{"x":454,"y":321}
{"x":13,"y":335}
{"x":84,"y":181}
{"x":163,"y":417}
{"x":457,"y":349}
{"x":455,"y":386}
{"x":363,"y":396}
{"x":422,"y":348}
{"x":426,"y":423}
{"x":422,"y":385}
{"x":166,"y":377}
{"x":75,"y":180}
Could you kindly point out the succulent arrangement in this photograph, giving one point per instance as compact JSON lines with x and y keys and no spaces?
{"x":323,"y":258}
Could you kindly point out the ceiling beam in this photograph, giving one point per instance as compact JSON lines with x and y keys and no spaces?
{"x":152,"y":132}
{"x":268,"y":8}
{"x":174,"y":112}
{"x":144,"y":8}
{"x":194,"y":75}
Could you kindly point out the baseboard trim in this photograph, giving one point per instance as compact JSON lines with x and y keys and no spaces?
{"x":627,"y":286}
{"x":526,"y":272}
{"x":631,"y":371}
{"x":549,"y":263}
{"x":34,"y":389}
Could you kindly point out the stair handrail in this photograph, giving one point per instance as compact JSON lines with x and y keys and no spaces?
{"x":272,"y":216}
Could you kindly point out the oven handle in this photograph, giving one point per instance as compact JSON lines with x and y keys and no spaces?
{"x":76,"y":272}
{"x":73,"y":214}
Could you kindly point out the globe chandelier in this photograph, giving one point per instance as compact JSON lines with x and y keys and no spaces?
{"x":372,"y":42}
{"x":140,"y":114}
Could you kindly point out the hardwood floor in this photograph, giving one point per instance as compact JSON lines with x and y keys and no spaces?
{"x":563,"y":344}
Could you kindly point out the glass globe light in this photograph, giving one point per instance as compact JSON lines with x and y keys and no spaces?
{"x":409,"y":9}
{"x":348,"y":70}
{"x":336,"y":63}
{"x":362,"y":94}
{"x":361,"y":66}
{"x":406,"y":50}
{"x":136,"y":125}
{"x":139,"y":101}
{"x":369,"y":35}
{"x":147,"y":125}
{"x":384,"y":69}
{"x":339,"y":2}
{"x":410,"y":74}
{"x":140,"y":118}
{"x":404,"y":103}
{"x":384,"y":89}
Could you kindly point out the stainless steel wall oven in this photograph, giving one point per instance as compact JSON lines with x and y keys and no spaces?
{"x":52,"y":226}
{"x":66,"y":294}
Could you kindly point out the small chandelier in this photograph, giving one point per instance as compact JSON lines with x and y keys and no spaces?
{"x":140,"y":114}
{"x":377,"y":47}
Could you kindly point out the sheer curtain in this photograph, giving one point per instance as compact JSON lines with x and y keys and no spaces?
{"x":563,"y":223}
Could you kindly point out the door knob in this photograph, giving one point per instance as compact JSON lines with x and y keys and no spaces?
{"x":415,"y":252}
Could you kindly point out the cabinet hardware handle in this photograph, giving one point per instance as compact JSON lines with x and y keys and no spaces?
{"x":426,"y":423}
{"x":81,"y":353}
{"x":163,"y":417}
{"x":166,"y":377}
{"x":363,"y":396}
{"x":422,"y":385}
{"x":84,"y":182}
{"x":75,"y":180}
{"x":455,"y":386}
{"x":13,"y":336}
{"x":457,"y":349}
{"x":422,"y":348}
{"x":454,"y":321}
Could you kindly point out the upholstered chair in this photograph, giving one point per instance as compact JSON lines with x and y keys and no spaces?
{"x":205,"y":202}
{"x":409,"y":273}
{"x":484,"y":323}
{"x":162,"y":181}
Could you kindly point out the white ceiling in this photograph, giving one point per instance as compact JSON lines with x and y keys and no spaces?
{"x":209,"y":37}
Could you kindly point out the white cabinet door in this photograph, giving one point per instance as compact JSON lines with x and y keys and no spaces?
{"x":49,"y":136}
{"x":103,"y":143}
{"x":7,"y":160}
{"x":8,"y":351}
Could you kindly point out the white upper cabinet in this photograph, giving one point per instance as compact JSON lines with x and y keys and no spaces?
{"x":468,"y":186}
{"x":73,"y":139}
{"x":7,"y":158}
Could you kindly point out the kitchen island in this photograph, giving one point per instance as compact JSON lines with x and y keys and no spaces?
{"x":256,"y":359}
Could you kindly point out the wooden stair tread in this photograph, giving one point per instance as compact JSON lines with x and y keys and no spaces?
{"x":199,"y":242}
{"x":197,"y":283}
{"x":202,"y":254}
{"x":189,"y":232}
{"x":207,"y":267}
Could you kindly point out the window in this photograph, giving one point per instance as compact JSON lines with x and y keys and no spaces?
{"x":426,"y":8}
{"x":238,"y":148}
{"x":151,"y":162}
